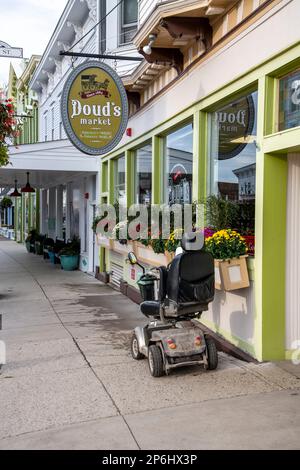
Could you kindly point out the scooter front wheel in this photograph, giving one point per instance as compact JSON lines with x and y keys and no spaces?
{"x":155,"y":359}
{"x":135,"y":350}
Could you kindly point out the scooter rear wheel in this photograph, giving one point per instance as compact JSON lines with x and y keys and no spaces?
{"x":156,"y":364}
{"x":135,"y":350}
{"x":211,"y":353}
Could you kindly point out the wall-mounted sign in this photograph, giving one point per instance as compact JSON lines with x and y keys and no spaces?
{"x":235,"y":122}
{"x":12,"y":52}
{"x":94,"y":108}
{"x":289,"y":101}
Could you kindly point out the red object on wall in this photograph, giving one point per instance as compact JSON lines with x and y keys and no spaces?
{"x":86,"y":195}
{"x":129,"y":131}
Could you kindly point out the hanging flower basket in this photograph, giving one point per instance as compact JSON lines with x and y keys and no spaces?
{"x":9,"y":128}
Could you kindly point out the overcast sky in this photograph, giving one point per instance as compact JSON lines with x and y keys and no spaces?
{"x":28,"y":24}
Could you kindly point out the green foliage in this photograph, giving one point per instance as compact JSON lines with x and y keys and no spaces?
{"x":226,"y":244}
{"x":4,"y":160}
{"x":9,"y":127}
{"x":32,"y":236}
{"x":158,"y":245}
{"x":96,"y":220}
{"x":6,"y":202}
{"x":72,"y":248}
{"x":223,"y":213}
{"x":220,"y":213}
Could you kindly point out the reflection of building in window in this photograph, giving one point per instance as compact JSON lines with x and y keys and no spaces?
{"x":289,"y":101}
{"x":233,"y":149}
{"x":228,"y":190}
{"x":144,"y":174}
{"x":246,"y":181}
{"x":179,"y":166}
{"x":180,"y":177}
{"x":120,"y":192}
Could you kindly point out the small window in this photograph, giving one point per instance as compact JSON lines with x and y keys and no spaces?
{"x":129,"y":18}
{"x":289,"y":101}
{"x":144,"y":174}
{"x":119,"y":172}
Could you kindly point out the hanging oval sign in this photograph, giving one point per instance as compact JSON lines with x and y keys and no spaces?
{"x":235,"y":122}
{"x":94,"y":108}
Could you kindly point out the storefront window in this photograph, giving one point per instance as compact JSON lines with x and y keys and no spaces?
{"x":233,"y":149}
{"x":289,"y":101}
{"x":179,"y":166}
{"x":120,"y":191}
{"x":144,"y":174}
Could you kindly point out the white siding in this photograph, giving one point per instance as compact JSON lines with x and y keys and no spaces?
{"x":145,"y":8}
{"x":292,"y":328}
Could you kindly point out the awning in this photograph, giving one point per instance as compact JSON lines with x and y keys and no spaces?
{"x":49,"y":163}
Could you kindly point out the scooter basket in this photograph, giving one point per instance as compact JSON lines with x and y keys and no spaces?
{"x":146,"y":285}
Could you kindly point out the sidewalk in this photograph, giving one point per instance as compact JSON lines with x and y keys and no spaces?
{"x":70,"y":382}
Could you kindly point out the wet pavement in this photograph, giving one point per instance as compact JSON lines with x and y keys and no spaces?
{"x":70,"y":382}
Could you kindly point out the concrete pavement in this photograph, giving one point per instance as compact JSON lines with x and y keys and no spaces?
{"x":70,"y":383}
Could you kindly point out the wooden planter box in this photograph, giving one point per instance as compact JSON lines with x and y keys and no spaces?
{"x":146,"y":255}
{"x":231,"y":274}
{"x":121,"y":248}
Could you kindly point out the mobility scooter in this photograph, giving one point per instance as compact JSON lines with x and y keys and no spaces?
{"x":171,"y":338}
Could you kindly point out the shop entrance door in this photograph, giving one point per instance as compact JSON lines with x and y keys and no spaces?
{"x":292,"y":328}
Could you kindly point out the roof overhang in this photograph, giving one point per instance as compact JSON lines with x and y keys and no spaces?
{"x":42,"y":160}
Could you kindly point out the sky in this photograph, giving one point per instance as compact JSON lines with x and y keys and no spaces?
{"x":28,"y":24}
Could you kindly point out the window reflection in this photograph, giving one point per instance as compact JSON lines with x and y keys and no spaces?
{"x":233,"y":149}
{"x":144,"y":174}
{"x":120,"y":191}
{"x":179,"y":166}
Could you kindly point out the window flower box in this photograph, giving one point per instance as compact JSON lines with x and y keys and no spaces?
{"x":122,"y":248}
{"x":146,"y":255}
{"x":231,"y":274}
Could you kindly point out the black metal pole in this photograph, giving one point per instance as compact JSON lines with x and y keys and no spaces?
{"x":101,"y":56}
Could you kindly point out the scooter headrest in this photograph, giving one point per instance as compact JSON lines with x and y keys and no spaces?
{"x":192,"y":241}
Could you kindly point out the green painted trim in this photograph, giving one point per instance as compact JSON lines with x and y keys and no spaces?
{"x":16,"y":219}
{"x":240,"y":343}
{"x":111,"y":186}
{"x":37,"y":209}
{"x":22,"y":219}
{"x":102,"y":257}
{"x":203,"y":154}
{"x":130,"y":184}
{"x":270,"y":105}
{"x":104,"y":177}
{"x":274,"y":257}
{"x":157,"y":169}
{"x":30,"y":221}
{"x":283,"y":142}
{"x":270,"y":234}
{"x":196,"y":157}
